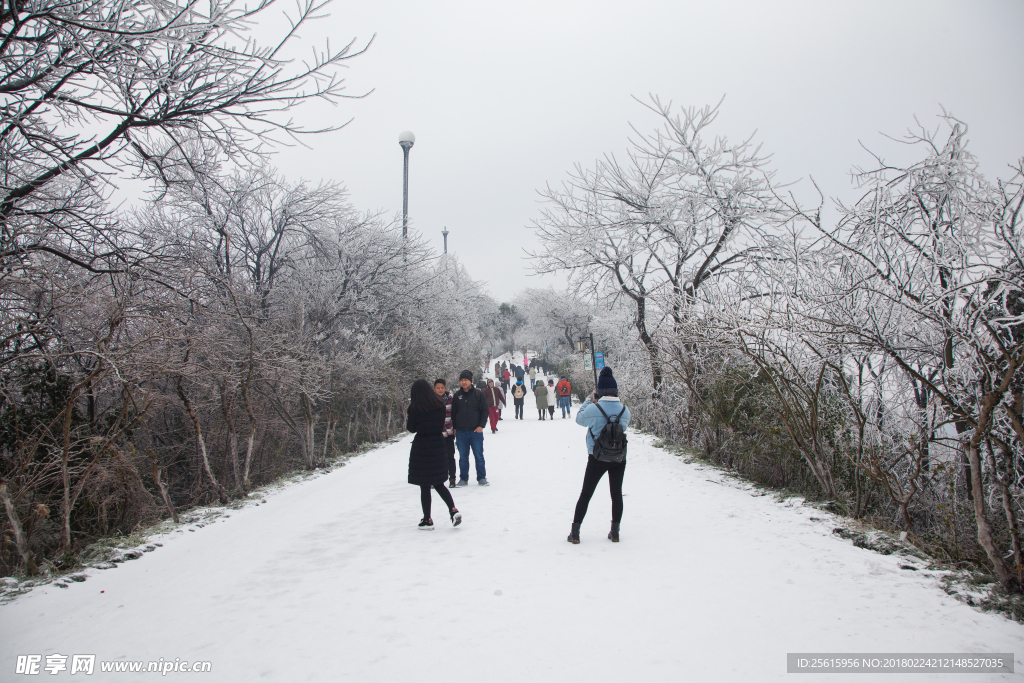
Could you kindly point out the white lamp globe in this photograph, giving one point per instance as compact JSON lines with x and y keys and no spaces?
{"x":407,"y":138}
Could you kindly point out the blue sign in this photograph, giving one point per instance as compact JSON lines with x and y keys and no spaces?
{"x":599,"y":360}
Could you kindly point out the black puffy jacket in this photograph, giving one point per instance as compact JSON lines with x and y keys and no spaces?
{"x":428,"y":457}
{"x":469,"y":410}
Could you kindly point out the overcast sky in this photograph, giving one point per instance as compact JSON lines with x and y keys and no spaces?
{"x":505,"y":97}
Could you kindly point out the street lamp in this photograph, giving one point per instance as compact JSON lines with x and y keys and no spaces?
{"x":445,"y":233}
{"x":406,"y":140}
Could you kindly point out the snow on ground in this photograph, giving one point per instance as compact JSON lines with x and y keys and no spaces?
{"x":332,"y":581}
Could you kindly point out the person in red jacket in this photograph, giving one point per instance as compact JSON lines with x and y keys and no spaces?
{"x":506,"y":377}
{"x":563,"y":390}
{"x":495,"y":400}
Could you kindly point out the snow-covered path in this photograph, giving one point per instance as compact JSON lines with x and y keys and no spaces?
{"x":331,"y":580}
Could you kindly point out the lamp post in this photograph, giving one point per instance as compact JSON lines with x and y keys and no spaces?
{"x":582,"y":345}
{"x":445,"y":233}
{"x":406,"y":140}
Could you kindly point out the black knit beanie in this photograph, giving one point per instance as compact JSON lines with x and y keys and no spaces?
{"x":606,"y":383}
{"x":466,"y":374}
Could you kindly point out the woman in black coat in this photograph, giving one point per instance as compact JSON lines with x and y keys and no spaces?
{"x":428,"y":460}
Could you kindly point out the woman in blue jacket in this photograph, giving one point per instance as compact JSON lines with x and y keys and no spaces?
{"x":590,"y":415}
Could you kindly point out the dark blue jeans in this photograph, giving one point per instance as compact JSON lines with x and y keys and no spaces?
{"x":565,"y":403}
{"x":465,"y":440}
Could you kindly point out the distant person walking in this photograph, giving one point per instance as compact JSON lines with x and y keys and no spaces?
{"x":469,"y":415}
{"x":497,"y":370}
{"x":533,"y":376}
{"x":495,"y":400}
{"x":506,"y":377}
{"x":606,"y":453}
{"x":551,"y":398}
{"x":520,"y":374}
{"x":518,"y":395}
{"x":540,"y":392}
{"x":427,"y":461}
{"x":441,"y":389}
{"x":564,"y":392}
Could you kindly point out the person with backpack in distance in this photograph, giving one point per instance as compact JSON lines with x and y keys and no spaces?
{"x":551,"y":398}
{"x":427,"y":462}
{"x":518,"y":394}
{"x":564,"y":391}
{"x":441,"y":389}
{"x":606,"y":420}
{"x":540,"y":393}
{"x":469,"y":415}
{"x":495,"y":399}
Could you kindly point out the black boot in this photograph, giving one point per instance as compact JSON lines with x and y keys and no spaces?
{"x":613,"y":535}
{"x":574,"y":534}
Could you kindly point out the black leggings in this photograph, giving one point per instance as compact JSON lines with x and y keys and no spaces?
{"x":446,"y":496}
{"x":595,"y":470}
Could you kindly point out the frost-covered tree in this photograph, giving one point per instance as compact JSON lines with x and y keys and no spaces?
{"x":90,"y":89}
{"x":896,"y":338}
{"x":939,"y":249}
{"x":683,"y":209}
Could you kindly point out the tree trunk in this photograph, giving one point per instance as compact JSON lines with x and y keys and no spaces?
{"x":1014,"y":412}
{"x":201,"y":443}
{"x":20,"y":541}
{"x":161,"y":486}
{"x":226,"y":405}
{"x":308,"y":445}
{"x":65,"y":473}
{"x":985,"y":539}
{"x":1011,"y":516}
{"x":246,"y":484}
{"x":989,"y":402}
{"x":652,"y":348}
{"x":328,"y":437}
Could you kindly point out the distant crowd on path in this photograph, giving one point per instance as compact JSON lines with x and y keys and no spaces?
{"x":444,"y":421}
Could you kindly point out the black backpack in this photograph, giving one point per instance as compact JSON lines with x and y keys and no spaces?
{"x":610,"y":444}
